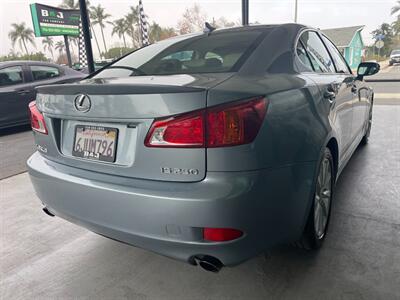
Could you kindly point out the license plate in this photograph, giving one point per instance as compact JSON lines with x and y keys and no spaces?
{"x":95,"y":142}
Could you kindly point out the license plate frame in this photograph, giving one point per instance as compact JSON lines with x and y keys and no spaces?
{"x":95,"y":155}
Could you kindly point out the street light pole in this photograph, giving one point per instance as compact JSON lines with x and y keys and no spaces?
{"x":86,"y":35}
{"x":66,"y":42}
{"x":245,"y":12}
{"x":295,"y":11}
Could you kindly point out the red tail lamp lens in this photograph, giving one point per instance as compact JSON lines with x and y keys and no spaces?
{"x":221,"y":234}
{"x":186,"y":130}
{"x":227,"y":125}
{"x":37,"y":120}
{"x":235,"y":124}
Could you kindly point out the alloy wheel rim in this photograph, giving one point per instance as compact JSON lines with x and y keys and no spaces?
{"x":322,"y":198}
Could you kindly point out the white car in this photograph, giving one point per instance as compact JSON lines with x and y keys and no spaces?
{"x":394,"y":57}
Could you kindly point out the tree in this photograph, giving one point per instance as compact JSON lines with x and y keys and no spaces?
{"x":396,"y":8}
{"x":100,"y":17}
{"x":193,"y":20}
{"x":38,"y":56}
{"x":386,"y":30}
{"x":48,"y":44}
{"x":60,"y":47}
{"x":117,"y":52}
{"x":132,"y":23}
{"x":222,"y":22}
{"x":70,"y":4}
{"x":119,"y":28}
{"x":93,"y":31}
{"x":396,"y":26}
{"x":21,"y":34}
{"x":158,"y":33}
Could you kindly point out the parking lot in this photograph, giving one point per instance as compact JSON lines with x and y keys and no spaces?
{"x":43,"y":257}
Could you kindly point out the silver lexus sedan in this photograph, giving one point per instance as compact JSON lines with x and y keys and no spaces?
{"x":209,"y":148}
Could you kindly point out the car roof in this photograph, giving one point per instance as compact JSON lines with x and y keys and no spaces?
{"x":261,"y":26}
{"x":28,"y":62}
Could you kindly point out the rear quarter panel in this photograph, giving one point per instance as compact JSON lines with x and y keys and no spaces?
{"x":295,"y":127}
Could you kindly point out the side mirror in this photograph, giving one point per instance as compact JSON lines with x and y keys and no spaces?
{"x":367,"y":69}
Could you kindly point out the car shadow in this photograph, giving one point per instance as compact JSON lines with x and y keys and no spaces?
{"x":14,"y":130}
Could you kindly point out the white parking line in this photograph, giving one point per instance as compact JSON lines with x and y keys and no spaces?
{"x":387,"y":96}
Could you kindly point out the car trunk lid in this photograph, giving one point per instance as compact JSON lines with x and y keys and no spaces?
{"x":126,"y":108}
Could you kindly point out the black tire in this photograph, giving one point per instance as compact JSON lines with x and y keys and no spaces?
{"x":367,"y":133}
{"x":310,"y":239}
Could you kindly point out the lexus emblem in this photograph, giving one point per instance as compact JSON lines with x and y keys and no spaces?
{"x":82,"y":103}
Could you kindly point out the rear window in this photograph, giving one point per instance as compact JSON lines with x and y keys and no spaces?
{"x":11,"y":76}
{"x":44,"y":72}
{"x":215,"y":53}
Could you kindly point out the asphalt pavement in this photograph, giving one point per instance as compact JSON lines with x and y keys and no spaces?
{"x":386,"y":85}
{"x":48,"y":258}
{"x":16,"y":145}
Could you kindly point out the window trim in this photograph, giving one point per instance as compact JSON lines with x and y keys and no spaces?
{"x":349,"y":72}
{"x":298,"y":40}
{"x":308,"y":56}
{"x":22,"y":72}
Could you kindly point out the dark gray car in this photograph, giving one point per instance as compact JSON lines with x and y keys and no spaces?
{"x":209,"y":148}
{"x":18,"y":80}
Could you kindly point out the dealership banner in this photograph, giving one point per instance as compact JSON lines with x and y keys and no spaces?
{"x":48,"y":20}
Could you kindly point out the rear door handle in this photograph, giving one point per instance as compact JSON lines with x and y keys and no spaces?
{"x":330,"y":95}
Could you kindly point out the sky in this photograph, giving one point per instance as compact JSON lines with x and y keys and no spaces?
{"x":320,"y":14}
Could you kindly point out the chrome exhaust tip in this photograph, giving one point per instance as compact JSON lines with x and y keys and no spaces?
{"x":209,"y":263}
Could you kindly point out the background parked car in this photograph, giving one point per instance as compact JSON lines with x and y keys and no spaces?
{"x":394,"y":57}
{"x":18,"y":80}
{"x":97,"y":66}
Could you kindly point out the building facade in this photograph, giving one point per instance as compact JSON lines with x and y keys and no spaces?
{"x":349,"y":41}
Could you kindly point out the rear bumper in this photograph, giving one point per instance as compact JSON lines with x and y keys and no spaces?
{"x":270,"y":206}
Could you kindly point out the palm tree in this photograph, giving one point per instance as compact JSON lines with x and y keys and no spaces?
{"x":396,"y":8}
{"x":120,"y":27}
{"x":48,"y":44}
{"x":60,"y":46}
{"x":132,"y":22}
{"x":158,"y":33}
{"x":21,"y":34}
{"x":100,"y":17}
{"x":70,"y":4}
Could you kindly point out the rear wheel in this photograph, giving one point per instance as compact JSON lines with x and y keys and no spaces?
{"x":318,"y":220}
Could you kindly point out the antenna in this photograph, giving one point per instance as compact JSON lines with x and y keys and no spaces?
{"x":208,"y":28}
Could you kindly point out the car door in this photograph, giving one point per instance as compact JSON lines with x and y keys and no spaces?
{"x":334,"y":87}
{"x":360,"y":102}
{"x":14,"y":95}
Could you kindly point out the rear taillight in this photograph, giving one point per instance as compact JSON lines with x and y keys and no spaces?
{"x":182,"y":131}
{"x":221,"y":234}
{"x":218,"y":126}
{"x":230,"y":125}
{"x":37,"y":120}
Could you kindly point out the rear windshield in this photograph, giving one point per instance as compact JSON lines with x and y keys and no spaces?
{"x":214,"y":53}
